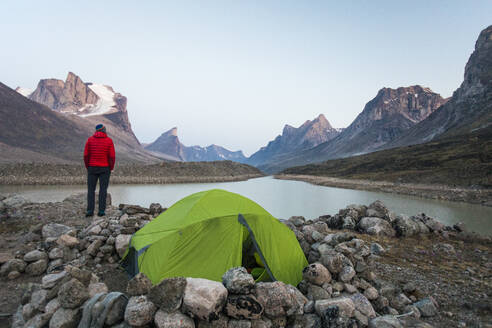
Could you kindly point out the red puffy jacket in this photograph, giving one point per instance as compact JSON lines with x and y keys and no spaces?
{"x":99,"y":151}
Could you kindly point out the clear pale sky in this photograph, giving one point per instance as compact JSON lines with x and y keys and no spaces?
{"x":233,"y":73}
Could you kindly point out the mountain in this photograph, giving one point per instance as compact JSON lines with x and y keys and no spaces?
{"x":470,"y":107}
{"x":308,"y":135}
{"x":168,"y":144}
{"x":32,"y":132}
{"x":73,"y":96}
{"x":383,"y":119}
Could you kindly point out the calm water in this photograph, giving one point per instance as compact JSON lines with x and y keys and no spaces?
{"x":282,"y":198}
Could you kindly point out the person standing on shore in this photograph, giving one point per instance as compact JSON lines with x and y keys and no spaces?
{"x":99,"y":159}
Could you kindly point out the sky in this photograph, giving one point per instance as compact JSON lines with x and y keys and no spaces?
{"x":233,"y":73}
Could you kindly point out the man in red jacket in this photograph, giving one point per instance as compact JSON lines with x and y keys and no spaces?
{"x":99,"y":160}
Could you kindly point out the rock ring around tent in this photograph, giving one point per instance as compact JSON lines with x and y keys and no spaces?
{"x":207,"y":233}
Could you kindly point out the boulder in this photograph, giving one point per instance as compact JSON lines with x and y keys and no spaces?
{"x":35,"y":255}
{"x":94,"y":247}
{"x":279,"y":299}
{"x":139,"y":311}
{"x":378,"y":209}
{"x":238,"y":281}
{"x":116,"y":312}
{"x":334,"y":262}
{"x":96,"y":288}
{"x":54,"y":230}
{"x":52,"y":306}
{"x":72,"y":294}
{"x":37,"y":268}
{"x":363,"y":305}
{"x":405,"y":226}
{"x":399,"y":301}
{"x":203,"y":299}
{"x":315,"y":293}
{"x":139,"y":285}
{"x":50,"y":280}
{"x":375,"y":226}
{"x":65,"y":318}
{"x":243,"y":307}
{"x":121,"y":244}
{"x":385,"y":321}
{"x":168,"y":294}
{"x":344,"y":304}
{"x":67,"y":241}
{"x":317,"y":274}
{"x":346,"y":274}
{"x":377,"y":249}
{"x":165,"y":319}
{"x":39,"y":299}
{"x":427,"y":307}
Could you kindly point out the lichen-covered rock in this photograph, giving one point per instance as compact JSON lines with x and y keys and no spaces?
{"x":139,"y":285}
{"x":72,"y":294}
{"x":139,"y":311}
{"x":238,"y":281}
{"x":405,"y":226}
{"x":168,"y":294}
{"x":344,"y":304}
{"x":346,"y":274}
{"x":333,"y":261}
{"x":317,"y":274}
{"x":375,"y":226}
{"x":165,"y":319}
{"x":243,"y":307}
{"x":96,"y":288}
{"x":203,"y":299}
{"x":363,"y":305}
{"x":65,"y":318}
{"x":279,"y":299}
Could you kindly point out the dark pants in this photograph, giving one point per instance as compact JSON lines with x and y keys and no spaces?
{"x":93,"y":174}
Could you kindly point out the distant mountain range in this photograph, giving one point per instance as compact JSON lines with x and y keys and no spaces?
{"x":168,"y":143}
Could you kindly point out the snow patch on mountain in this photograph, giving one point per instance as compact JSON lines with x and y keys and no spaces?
{"x":24,"y":91}
{"x":105,"y":103}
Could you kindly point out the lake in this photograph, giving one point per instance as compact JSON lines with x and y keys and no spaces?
{"x":282,"y":198}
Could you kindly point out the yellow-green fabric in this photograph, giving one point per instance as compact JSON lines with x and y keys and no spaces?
{"x":200,"y":236}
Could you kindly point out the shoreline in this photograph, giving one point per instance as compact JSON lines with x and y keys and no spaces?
{"x":80,"y":180}
{"x":437,"y":192}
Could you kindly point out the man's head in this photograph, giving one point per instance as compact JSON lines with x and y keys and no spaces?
{"x":100,"y":128}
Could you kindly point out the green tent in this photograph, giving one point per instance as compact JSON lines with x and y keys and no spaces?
{"x":203,"y":235}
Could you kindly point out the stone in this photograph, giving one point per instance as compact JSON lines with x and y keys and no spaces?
{"x":72,"y":294}
{"x":96,"y":288}
{"x":94,"y":230}
{"x":375,"y":226}
{"x":239,"y":324}
{"x":37,"y":268}
{"x":316,"y":293}
{"x":156,"y":208}
{"x":349,"y":288}
{"x":13,"y":275}
{"x":377,"y":209}
{"x":203,"y":299}
{"x":65,"y":318}
{"x":28,"y":311}
{"x":427,"y":307}
{"x":238,"y":281}
{"x":12,"y":265}
{"x":441,"y":249}
{"x":165,"y":319}
{"x":50,"y":280}
{"x":139,"y":311}
{"x":385,"y":321}
{"x":399,"y":301}
{"x":371,"y":293}
{"x":38,"y":321}
{"x":334,"y":262}
{"x":35,"y":255}
{"x":82,"y":275}
{"x":54,"y":230}
{"x":377,"y":249}
{"x":139,"y":285}
{"x":18,"y":319}
{"x":121,"y":244}
{"x":133,"y":209}
{"x":221,"y":322}
{"x":405,"y":226}
{"x":55,"y":253}
{"x":362,"y":319}
{"x":94,"y":247}
{"x":52,"y":306}
{"x":39,"y":299}
{"x":54,"y":266}
{"x":243,"y":307}
{"x":168,"y":294}
{"x":317,"y":274}
{"x":278,"y":299}
{"x":409,"y":287}
{"x":346,"y":274}
{"x":363,"y":305}
{"x":67,"y":241}
{"x":4,"y":257}
{"x":117,"y":311}
{"x":344,"y":304}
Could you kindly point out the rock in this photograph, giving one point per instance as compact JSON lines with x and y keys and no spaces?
{"x":37,"y":268}
{"x":96,"y":288}
{"x":82,"y":275}
{"x":378,"y":209}
{"x":38,"y":321}
{"x":65,"y":318}
{"x":399,"y":301}
{"x":243,"y":307}
{"x":50,"y":280}
{"x":55,"y":266}
{"x":168,"y":294}
{"x":317,"y":274}
{"x":121,"y":244}
{"x":279,"y":299}
{"x":412,"y":308}
{"x":39,"y":299}
{"x":405,"y":226}
{"x":363,"y":305}
{"x":17,"y":318}
{"x":139,"y":311}
{"x":13,"y":275}
{"x":55,"y":253}
{"x":14,"y":201}
{"x":385,"y":321}
{"x":4,"y":257}
{"x":371,"y":293}
{"x":117,"y":311}
{"x":94,"y":247}
{"x":54,"y":230}
{"x":377,"y":249}
{"x":203,"y":299}
{"x":346,"y":274}
{"x":139,"y":285}
{"x":375,"y":226}
{"x":238,"y":281}
{"x":72,"y":294}
{"x":345,"y":304}
{"x":427,"y":307}
{"x":409,"y":287}
{"x":222,"y":322}
{"x":334,"y":262}
{"x":28,"y":311}
{"x":239,"y":324}
{"x":133,"y":209}
{"x":35,"y":255}
{"x":316,"y":293}
{"x":12,"y":265}
{"x":442,"y":249}
{"x":52,"y":306}
{"x":172,"y":320}
{"x":67,"y":241}
{"x":349,"y":288}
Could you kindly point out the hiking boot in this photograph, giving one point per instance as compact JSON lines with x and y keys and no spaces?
{"x":88,"y":214}
{"x":100,"y":213}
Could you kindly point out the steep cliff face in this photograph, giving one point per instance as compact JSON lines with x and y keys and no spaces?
{"x":168,"y":144}
{"x":73,"y":96}
{"x":470,"y":107}
{"x":308,"y":135}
